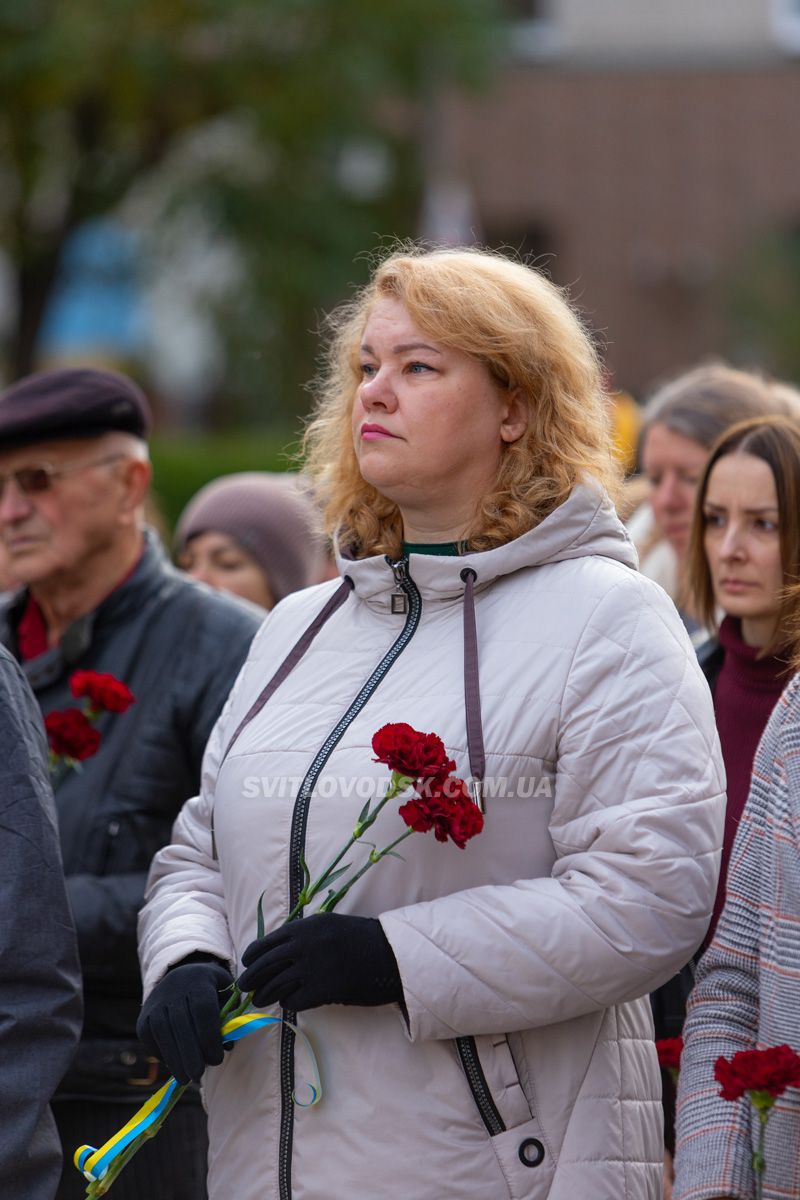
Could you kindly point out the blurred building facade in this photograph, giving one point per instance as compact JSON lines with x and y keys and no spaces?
{"x":637,"y":151}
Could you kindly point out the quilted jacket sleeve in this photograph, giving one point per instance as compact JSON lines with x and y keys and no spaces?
{"x":637,"y":830}
{"x":184,"y":902}
{"x":40,"y":997}
{"x":714,"y":1137}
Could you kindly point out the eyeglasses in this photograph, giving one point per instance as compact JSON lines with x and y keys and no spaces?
{"x":39,"y":478}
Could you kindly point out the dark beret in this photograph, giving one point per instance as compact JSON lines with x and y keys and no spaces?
{"x":71,"y":402}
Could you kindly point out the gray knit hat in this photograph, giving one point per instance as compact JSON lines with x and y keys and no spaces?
{"x":270,"y":515}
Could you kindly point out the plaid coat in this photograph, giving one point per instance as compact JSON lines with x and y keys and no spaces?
{"x":747,"y":994}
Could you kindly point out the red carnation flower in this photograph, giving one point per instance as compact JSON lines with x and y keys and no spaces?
{"x":445,"y":807}
{"x":71,"y":735}
{"x":410,"y":753}
{"x":101,"y":690}
{"x":768,"y":1071}
{"x":669,"y":1052}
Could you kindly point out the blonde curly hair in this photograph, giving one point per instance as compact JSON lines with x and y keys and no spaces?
{"x":519,"y":324}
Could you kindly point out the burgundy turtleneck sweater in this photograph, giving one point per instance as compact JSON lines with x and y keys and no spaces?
{"x":746,"y":691}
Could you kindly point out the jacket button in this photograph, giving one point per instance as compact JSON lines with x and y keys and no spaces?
{"x":531,"y":1152}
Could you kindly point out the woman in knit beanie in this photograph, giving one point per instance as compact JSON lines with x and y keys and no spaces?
{"x":253,"y":534}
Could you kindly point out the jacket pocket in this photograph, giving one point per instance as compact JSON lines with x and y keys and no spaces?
{"x":528,"y":1166}
{"x":515,"y":1134}
{"x":492,"y":1077}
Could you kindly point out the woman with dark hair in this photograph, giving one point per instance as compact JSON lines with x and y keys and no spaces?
{"x":480,"y":1013}
{"x":682,"y":421}
{"x":745,"y":558}
{"x":744,"y":553}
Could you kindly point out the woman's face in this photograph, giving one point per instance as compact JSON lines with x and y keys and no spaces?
{"x":742,"y":543}
{"x":429,"y":424}
{"x":674,"y":465}
{"x":219,"y":561}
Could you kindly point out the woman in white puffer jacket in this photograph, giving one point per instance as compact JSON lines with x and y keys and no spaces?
{"x":480,"y":1015}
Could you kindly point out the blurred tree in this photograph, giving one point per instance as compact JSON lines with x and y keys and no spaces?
{"x":763,"y":295}
{"x":290,"y":127}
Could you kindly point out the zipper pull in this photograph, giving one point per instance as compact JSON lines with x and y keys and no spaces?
{"x":476,"y":792}
{"x":399,"y":597}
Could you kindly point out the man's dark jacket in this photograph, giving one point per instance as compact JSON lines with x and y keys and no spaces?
{"x":40,"y":997}
{"x":178,"y":646}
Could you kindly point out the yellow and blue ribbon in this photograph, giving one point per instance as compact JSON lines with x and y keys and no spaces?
{"x":94,"y":1163}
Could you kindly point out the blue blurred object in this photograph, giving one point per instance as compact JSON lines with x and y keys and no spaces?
{"x":97,"y":305}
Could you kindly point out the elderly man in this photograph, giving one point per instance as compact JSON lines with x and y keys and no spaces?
{"x":98,"y":594}
{"x":40,"y":996}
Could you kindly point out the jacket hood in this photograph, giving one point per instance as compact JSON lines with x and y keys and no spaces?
{"x":585,"y":524}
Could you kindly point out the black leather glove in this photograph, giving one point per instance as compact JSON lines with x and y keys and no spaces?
{"x":179,"y":1022}
{"x":324,"y":959}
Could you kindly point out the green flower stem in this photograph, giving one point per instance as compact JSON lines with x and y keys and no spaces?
{"x":59,"y":769}
{"x":375,"y":856}
{"x":759,"y":1155}
{"x":399,"y":783}
{"x":100,"y":1186}
{"x":238,"y":1002}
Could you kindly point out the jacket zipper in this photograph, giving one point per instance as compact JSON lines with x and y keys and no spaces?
{"x":468,"y":1053}
{"x":297,"y":845}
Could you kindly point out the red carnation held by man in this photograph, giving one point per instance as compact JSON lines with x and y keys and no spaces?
{"x":71,"y":735}
{"x":101,"y":690}
{"x":669,"y":1052}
